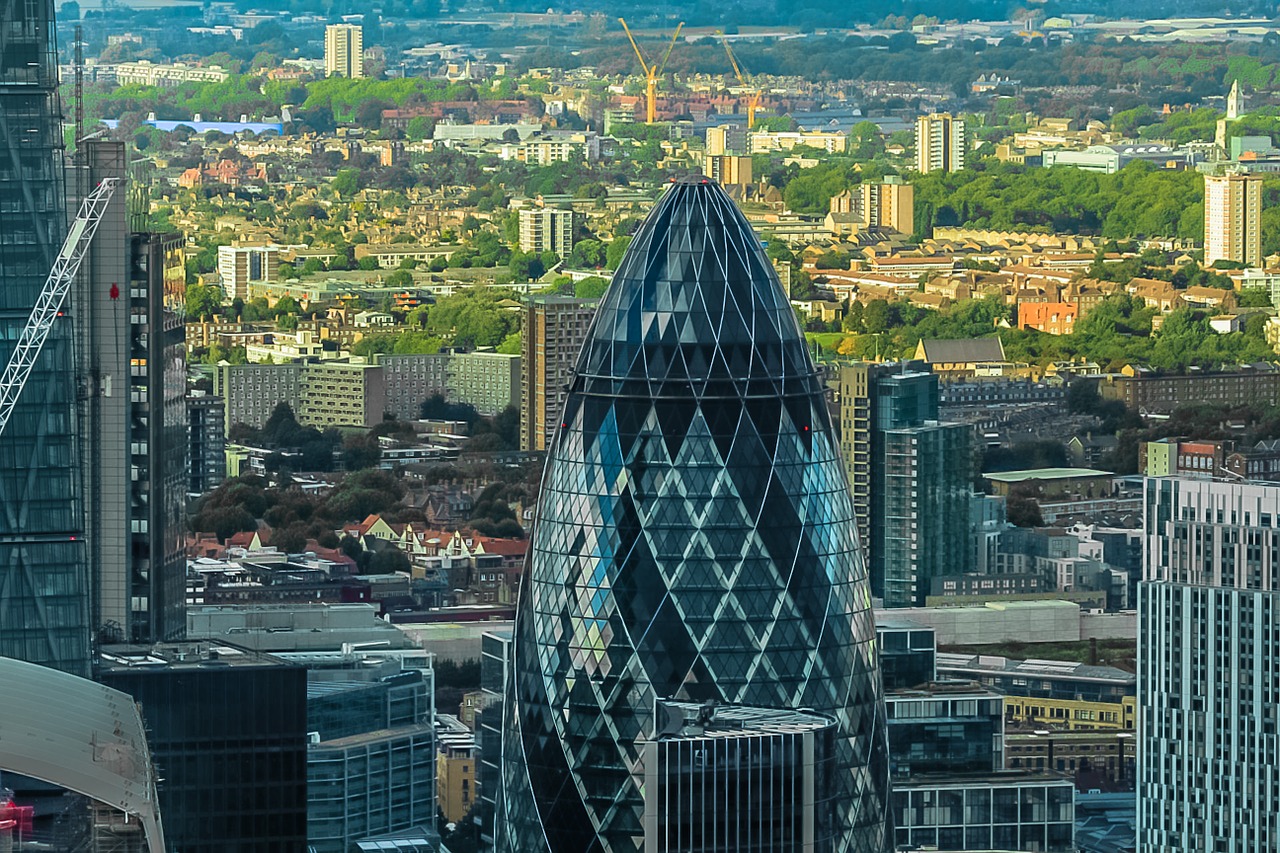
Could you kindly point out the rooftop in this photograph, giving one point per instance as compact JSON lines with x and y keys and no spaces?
{"x":1045,"y":474}
{"x":170,"y":656}
{"x":1062,"y":669}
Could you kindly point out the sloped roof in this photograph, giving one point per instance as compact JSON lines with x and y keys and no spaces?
{"x":963,"y":351}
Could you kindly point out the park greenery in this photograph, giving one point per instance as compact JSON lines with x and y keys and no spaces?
{"x":1116,"y":333}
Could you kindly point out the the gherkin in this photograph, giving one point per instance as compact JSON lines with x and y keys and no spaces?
{"x":695,"y":541}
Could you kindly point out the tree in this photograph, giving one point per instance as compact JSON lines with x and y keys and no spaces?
{"x":587,"y":254}
{"x":347,"y":182}
{"x":591,"y":287}
{"x":368,"y":262}
{"x":400,"y":278}
{"x":617,"y":248}
{"x":203,"y":301}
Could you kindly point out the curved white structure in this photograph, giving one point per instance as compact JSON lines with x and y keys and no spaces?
{"x":78,"y":734}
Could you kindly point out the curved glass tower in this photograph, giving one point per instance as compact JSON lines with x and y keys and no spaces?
{"x":695,"y":543}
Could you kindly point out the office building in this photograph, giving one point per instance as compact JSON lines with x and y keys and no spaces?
{"x":206,"y":419}
{"x":495,"y":660}
{"x":343,"y":51}
{"x":45,"y":612}
{"x":911,"y":478}
{"x":711,"y":756}
{"x":1233,"y":219}
{"x":1008,"y":810}
{"x":1066,"y":695}
{"x":371,"y":755}
{"x":241,"y":266}
{"x":552,"y":335}
{"x":940,"y":143}
{"x":694,"y":542}
{"x":889,"y":204}
{"x":130,"y":303}
{"x":547,"y":229}
{"x":951,"y":789}
{"x":908,"y":652}
{"x":228,"y":733}
{"x":1208,"y":657}
{"x":158,"y":439}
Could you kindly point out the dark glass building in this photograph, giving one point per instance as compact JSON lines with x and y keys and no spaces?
{"x":695,"y":543}
{"x":44,"y":587}
{"x":228,"y":734}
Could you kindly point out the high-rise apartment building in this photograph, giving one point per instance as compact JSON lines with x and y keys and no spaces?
{"x":728,"y":170}
{"x":727,"y":139}
{"x":911,"y":478}
{"x":940,"y":143}
{"x":207,"y":442}
{"x":547,"y":229}
{"x":240,"y":266}
{"x":554,"y":329}
{"x":343,"y":50}
{"x":889,"y":204}
{"x":1208,"y":664}
{"x":45,"y":613}
{"x":1233,"y":219}
{"x":694,"y":544}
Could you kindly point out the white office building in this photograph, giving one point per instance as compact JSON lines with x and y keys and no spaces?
{"x":1209,"y":668}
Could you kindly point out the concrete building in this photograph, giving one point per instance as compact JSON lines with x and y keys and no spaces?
{"x":1233,"y":219}
{"x":1147,"y":392}
{"x":295,"y":627}
{"x":340,"y":393}
{"x":343,"y":50}
{"x":241,"y":266}
{"x":553,"y":331}
{"x":727,"y":139}
{"x":457,"y":766}
{"x":487,"y":380}
{"x":167,"y":75}
{"x":940,"y":143}
{"x":1208,"y":654}
{"x":889,"y":204}
{"x":411,"y":379}
{"x":547,"y":229}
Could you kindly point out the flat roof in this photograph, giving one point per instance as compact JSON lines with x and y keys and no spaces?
{"x":201,"y":654}
{"x":1045,"y":474}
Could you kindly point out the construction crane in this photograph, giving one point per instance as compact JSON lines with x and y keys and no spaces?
{"x":651,"y":71}
{"x":48,"y":305}
{"x":753,"y":92}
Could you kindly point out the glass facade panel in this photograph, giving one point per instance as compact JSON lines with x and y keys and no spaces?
{"x":695,"y":541}
{"x":44,"y":595}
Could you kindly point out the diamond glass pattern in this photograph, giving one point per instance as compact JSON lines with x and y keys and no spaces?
{"x":695,"y":541}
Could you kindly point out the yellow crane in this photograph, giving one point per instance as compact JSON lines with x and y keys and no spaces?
{"x":753,"y":92}
{"x":651,"y":71}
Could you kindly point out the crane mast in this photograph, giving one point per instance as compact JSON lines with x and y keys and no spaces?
{"x":651,"y":71}
{"x":753,"y":92}
{"x":54,"y":293}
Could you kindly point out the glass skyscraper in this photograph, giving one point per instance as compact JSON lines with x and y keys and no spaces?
{"x":695,"y":542}
{"x":44,"y":590}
